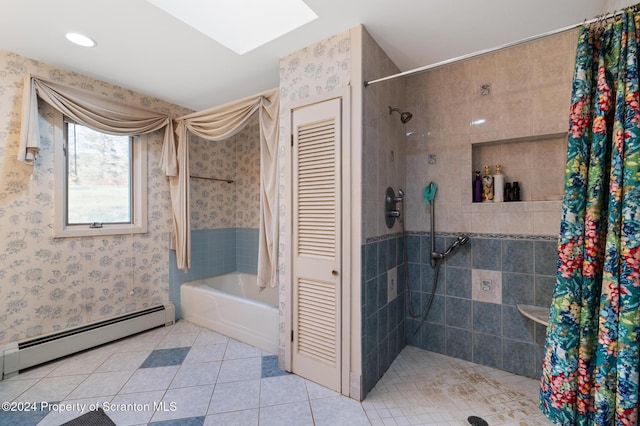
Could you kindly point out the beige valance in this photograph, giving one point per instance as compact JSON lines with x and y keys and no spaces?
{"x":87,"y":108}
{"x":109,"y":116}
{"x":216,"y":124}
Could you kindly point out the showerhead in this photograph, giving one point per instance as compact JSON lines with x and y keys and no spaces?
{"x":460,"y":241}
{"x":404,"y":116}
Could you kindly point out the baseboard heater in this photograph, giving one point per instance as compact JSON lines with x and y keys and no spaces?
{"x":16,"y":356}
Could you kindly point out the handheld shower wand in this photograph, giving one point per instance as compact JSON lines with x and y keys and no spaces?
{"x":459,"y":242}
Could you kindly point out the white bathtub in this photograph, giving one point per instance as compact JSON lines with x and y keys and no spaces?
{"x":231,"y":304}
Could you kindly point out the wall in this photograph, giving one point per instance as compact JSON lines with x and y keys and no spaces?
{"x":513,"y":245}
{"x":383,"y":165}
{"x":224,"y":216}
{"x":319,"y":69}
{"x":49,"y":284}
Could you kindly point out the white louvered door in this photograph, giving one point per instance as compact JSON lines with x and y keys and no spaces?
{"x":316,"y":327}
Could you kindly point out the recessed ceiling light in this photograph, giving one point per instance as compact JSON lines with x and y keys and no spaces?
{"x":80,"y":40}
{"x":240,"y":25}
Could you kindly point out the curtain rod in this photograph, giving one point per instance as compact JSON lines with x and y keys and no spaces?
{"x":494,"y":49}
{"x":210,"y":178}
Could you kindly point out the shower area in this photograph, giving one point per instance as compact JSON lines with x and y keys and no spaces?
{"x":424,"y":136}
{"x":220,"y":291}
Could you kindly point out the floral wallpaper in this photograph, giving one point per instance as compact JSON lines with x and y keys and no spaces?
{"x":216,"y":204}
{"x":49,"y":284}
{"x":320,"y":68}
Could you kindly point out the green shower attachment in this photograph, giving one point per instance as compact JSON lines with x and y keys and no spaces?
{"x":430,"y":192}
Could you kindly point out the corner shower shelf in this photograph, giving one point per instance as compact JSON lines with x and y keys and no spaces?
{"x":536,"y":313}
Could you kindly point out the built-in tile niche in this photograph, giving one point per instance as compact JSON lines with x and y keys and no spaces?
{"x":537,"y":163}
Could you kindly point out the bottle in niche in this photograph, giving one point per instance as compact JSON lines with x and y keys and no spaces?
{"x":498,"y":185}
{"x":515,"y":191}
{"x":507,"y":191}
{"x":487,"y":185}
{"x":477,"y":188}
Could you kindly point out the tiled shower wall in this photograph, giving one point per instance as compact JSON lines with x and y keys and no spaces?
{"x":383,"y":322}
{"x":511,"y":107}
{"x":476,"y":323}
{"x":383,"y":166}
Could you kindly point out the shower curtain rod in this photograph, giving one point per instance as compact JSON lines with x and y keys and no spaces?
{"x":494,"y":49}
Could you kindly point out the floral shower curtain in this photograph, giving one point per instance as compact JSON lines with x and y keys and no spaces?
{"x":591,"y":358}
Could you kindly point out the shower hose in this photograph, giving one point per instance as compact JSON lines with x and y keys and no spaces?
{"x":435,"y":265}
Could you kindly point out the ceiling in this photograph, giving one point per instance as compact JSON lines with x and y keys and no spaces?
{"x":142,"y":48}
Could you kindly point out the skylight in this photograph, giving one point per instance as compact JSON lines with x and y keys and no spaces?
{"x":240,"y":25}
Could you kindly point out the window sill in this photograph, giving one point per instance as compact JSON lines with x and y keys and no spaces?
{"x":86,"y":231}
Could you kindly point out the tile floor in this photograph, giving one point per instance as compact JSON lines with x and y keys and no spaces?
{"x":425,"y":388}
{"x":188,"y":375}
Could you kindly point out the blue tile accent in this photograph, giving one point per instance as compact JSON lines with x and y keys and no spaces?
{"x":433,"y":338}
{"x":517,"y":288}
{"x":383,"y":321}
{"x":270,"y":367}
{"x":165,"y":357}
{"x":459,"y":343}
{"x":415,"y":299}
{"x":515,"y":325}
{"x":544,"y":287}
{"x":371,"y":260}
{"x":382,"y":290}
{"x":487,"y":350}
{"x":383,"y":318}
{"x":392,"y":253}
{"x":247,"y":250}
{"x":191,"y":421}
{"x":521,"y":357}
{"x":400,"y":251}
{"x":413,"y":248}
{"x":370,"y":371}
{"x":546,"y":258}
{"x":370,"y":334}
{"x":371,"y":296}
{"x":517,"y":256}
{"x":428,"y":275}
{"x":415,"y":277}
{"x":383,"y":255}
{"x":487,"y":318}
{"x":458,"y":282}
{"x":458,"y":312}
{"x":24,"y":417}
{"x":436,"y":312}
{"x":383,"y":357}
{"x":486,"y":253}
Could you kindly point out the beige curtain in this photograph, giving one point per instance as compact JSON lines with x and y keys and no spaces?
{"x":216,"y":124}
{"x":87,"y":108}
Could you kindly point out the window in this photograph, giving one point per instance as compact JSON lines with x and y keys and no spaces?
{"x":100,"y":182}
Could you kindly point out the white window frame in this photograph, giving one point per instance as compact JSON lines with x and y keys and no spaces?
{"x":138,"y":223}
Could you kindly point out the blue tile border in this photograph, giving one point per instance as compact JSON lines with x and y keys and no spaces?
{"x":24,"y":417}
{"x":165,"y":357}
{"x":270,"y":367}
{"x":189,"y":421}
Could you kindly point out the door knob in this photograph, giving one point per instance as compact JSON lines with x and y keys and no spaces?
{"x":334,"y":273}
